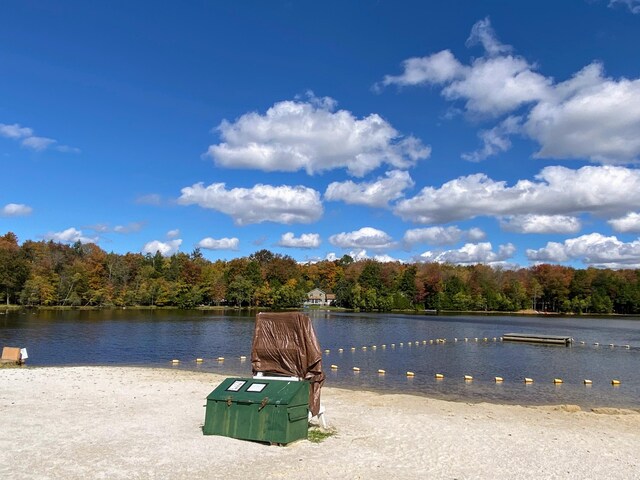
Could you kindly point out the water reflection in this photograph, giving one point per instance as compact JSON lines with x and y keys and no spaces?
{"x":154,"y":337}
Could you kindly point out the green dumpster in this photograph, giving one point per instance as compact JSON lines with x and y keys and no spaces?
{"x":265,"y":410}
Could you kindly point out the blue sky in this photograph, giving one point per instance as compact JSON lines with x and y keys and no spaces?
{"x":505,"y":133}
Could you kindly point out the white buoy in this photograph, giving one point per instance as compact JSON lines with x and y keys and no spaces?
{"x":221,"y":359}
{"x":334,"y":367}
{"x":615,"y":383}
{"x":356,"y":369}
{"x":327,"y":351}
{"x":528,"y":380}
{"x":439,"y":376}
{"x":468,"y":378}
{"x":588,"y":382}
{"x":243,"y":358}
{"x":381,"y":372}
{"x":410,"y":374}
{"x":557,"y":381}
{"x":198,"y":360}
{"x":175,"y":360}
{"x":340,"y":350}
{"x":499,"y":379}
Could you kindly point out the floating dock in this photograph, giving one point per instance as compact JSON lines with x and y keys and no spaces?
{"x":535,"y":338}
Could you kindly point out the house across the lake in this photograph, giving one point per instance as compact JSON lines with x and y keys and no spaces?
{"x":320,"y":297}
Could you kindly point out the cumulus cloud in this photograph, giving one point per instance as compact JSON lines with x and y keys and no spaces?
{"x":540,"y":224}
{"x":70,"y":235}
{"x":362,"y":254}
{"x":262,"y":203}
{"x":593,"y":249}
{"x":441,"y":235}
{"x":313,"y":136}
{"x":219,"y":244}
{"x":166,"y":249}
{"x":628,"y":223}
{"x":471,"y":254}
{"x":306,"y":240}
{"x":590,"y":116}
{"x":603,"y":191}
{"x":28,"y":139}
{"x":366,"y":237}
{"x":16,"y":210}
{"x":373,"y":194}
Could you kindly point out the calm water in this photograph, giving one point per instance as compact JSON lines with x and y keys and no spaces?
{"x":154,"y":338}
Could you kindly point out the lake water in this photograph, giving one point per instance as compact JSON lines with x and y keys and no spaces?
{"x":155,"y":337}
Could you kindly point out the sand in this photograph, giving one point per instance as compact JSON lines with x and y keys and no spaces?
{"x":142,"y":423}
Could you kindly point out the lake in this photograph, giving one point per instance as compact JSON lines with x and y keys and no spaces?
{"x":155,"y":337}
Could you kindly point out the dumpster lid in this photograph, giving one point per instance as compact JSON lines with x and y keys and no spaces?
{"x":286,"y":344}
{"x":265,"y":392}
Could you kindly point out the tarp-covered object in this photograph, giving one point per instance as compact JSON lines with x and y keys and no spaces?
{"x":286,"y":344}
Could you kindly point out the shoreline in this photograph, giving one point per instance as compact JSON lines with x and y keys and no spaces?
{"x":140,"y":422}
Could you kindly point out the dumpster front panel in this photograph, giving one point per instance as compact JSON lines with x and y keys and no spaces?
{"x":274,"y":411}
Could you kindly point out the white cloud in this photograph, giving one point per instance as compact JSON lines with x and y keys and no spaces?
{"x":372,"y":194}
{"x":15,"y":210}
{"x":70,"y":235}
{"x":311,"y":136}
{"x":441,"y":235}
{"x":306,"y":240}
{"x":593,"y":249}
{"x":438,"y":68}
{"x":471,"y":254}
{"x":38,"y":143}
{"x":483,"y":33}
{"x":628,"y":223}
{"x":366,"y":237}
{"x":150,"y":199}
{"x":219,"y":244}
{"x":632,"y":5}
{"x":166,"y":249}
{"x":29,"y":140}
{"x":590,"y":116}
{"x":540,"y":224}
{"x":129,"y":228}
{"x":262,"y":203}
{"x":361,"y":254}
{"x":173,"y":233}
{"x":495,"y":140}
{"x":599,"y":190}
{"x":15,"y":131}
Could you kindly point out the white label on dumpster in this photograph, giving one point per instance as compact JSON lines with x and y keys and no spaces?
{"x":236,"y":386}
{"x":256,"y":387}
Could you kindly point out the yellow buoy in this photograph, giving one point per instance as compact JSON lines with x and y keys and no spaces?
{"x":383,"y":345}
{"x":587,"y":382}
{"x":409,"y":343}
{"x":353,"y":349}
{"x":439,"y":376}
{"x":340,"y":350}
{"x":424,"y":342}
{"x":175,"y":360}
{"x":221,"y":359}
{"x":381,"y":372}
{"x":499,"y":379}
{"x":373,"y":347}
{"x":468,"y":378}
{"x":364,"y":349}
{"x":410,"y":374}
{"x":198,"y":360}
{"x":615,"y":382}
{"x":356,"y":369}
{"x":528,"y":380}
{"x":334,"y":367}
{"x":401,"y":344}
{"x":327,"y":351}
{"x":495,"y":339}
{"x":557,"y":381}
{"x":475,"y":339}
{"x":485,"y":339}
{"x":243,"y":357}
{"x":393,"y":345}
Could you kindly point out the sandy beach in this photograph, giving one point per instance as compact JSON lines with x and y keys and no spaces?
{"x":139,"y":423}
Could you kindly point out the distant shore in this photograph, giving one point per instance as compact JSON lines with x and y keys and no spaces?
{"x":124,"y":422}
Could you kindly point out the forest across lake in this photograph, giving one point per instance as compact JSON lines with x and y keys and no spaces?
{"x":48,"y":273}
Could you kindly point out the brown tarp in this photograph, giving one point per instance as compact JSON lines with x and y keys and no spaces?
{"x":286,"y":344}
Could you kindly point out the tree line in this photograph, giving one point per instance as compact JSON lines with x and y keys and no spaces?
{"x":47,"y":273}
